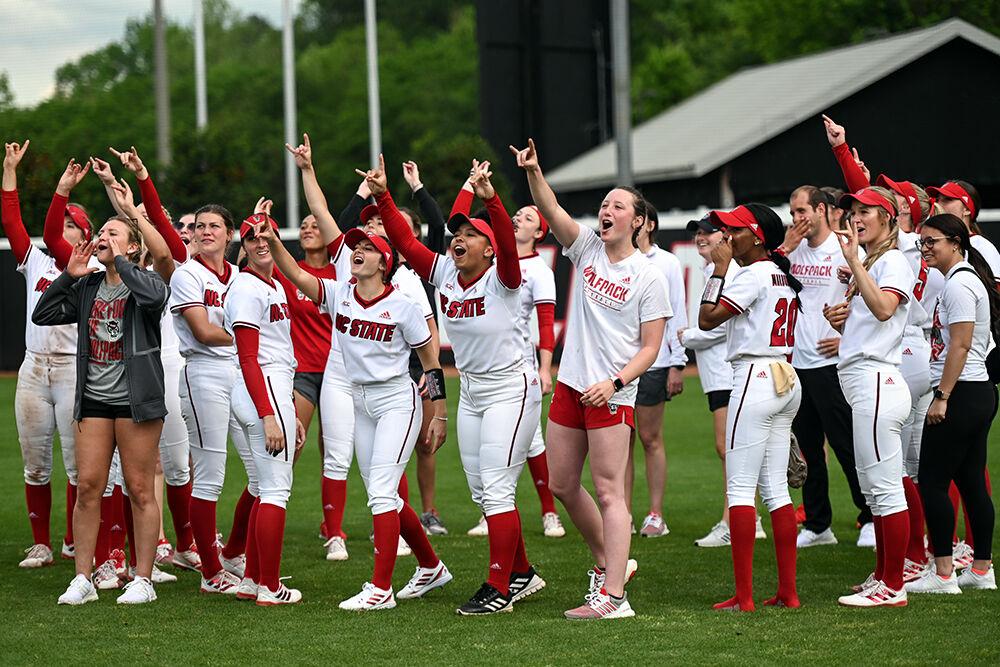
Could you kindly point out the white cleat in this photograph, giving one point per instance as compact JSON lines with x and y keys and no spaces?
{"x":336,"y":549}
{"x":962,"y":555}
{"x":37,"y":555}
{"x":913,"y":570}
{"x":117,"y":557}
{"x":717,"y":537}
{"x":164,"y":554}
{"x":975,"y":581}
{"x":481,"y":529}
{"x":808,"y":538}
{"x":68,"y":551}
{"x":870,"y":582}
{"x":932,"y":582}
{"x":423,"y":580}
{"x":403,"y":549}
{"x":759,"y":533}
{"x":866,"y":538}
{"x":523,"y":584}
{"x":597,"y":578}
{"x":654,"y":526}
{"x":879,"y":595}
{"x":138,"y":591}
{"x":552,"y":525}
{"x":105,"y":577}
{"x":600,"y":606}
{"x":235,"y":566}
{"x":284,"y":595}
{"x":248,"y":589}
{"x":158,"y":576}
{"x":369,"y":599}
{"x":188,"y":560}
{"x":223,"y":582}
{"x":80,"y":591}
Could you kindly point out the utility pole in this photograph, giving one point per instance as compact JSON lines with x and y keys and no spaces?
{"x":200,"y":93}
{"x":161,"y":87}
{"x":291,"y":112}
{"x":621,"y":80}
{"x":374,"y":112}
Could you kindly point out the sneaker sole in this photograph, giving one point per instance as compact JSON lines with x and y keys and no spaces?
{"x":651,"y":535}
{"x":81,"y":602}
{"x":261,"y":603}
{"x":437,"y":583}
{"x":555,"y":534}
{"x":506,"y":610}
{"x":629,"y":613}
{"x":246,"y":596}
{"x":379,"y":607}
{"x":529,"y":590}
{"x":823,"y":543}
{"x":337,"y":558}
{"x":32,"y":566}
{"x":184,"y":565}
{"x":901,"y":603}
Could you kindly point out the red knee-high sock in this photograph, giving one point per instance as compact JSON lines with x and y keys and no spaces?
{"x":956,"y":499}
{"x":237,"y":542}
{"x":117,"y":541}
{"x":70,"y":504}
{"x":252,"y":571}
{"x":270,"y":536}
{"x":915,"y":546}
{"x":129,"y":530}
{"x":102,"y":548}
{"x":413,"y":532}
{"x":386,"y":542}
{"x":203,"y":527}
{"x":504,"y":530}
{"x":879,"y":548}
{"x":404,"y":489}
{"x":783,"y":529}
{"x":539,"y":468}
{"x":896,"y":535}
{"x":179,"y":502}
{"x":39,"y":500}
{"x":520,"y":563}
{"x":742,"y":520}
{"x":334,"y":496}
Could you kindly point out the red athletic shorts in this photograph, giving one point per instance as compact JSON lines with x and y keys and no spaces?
{"x":567,"y":410}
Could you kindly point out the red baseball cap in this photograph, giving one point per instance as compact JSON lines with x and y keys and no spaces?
{"x":867,"y":197}
{"x":253,"y":221}
{"x":906,"y":190}
{"x":80,"y":219}
{"x":481,"y":226}
{"x":368,"y":212}
{"x":543,"y":224}
{"x":738,"y":217}
{"x":953,"y":190}
{"x":355,"y":236}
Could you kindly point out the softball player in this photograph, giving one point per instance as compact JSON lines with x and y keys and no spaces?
{"x":500,"y":399}
{"x":367,"y":312}
{"x":870,"y":357}
{"x":206,"y":386}
{"x":962,"y":200}
{"x":759,"y":306}
{"x":43,"y":399}
{"x":614,"y":335}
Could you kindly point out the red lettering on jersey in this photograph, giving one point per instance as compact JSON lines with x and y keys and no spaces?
{"x":462,"y":309}
{"x":279,"y":312}
{"x":783,"y":330}
{"x":342,"y":322}
{"x":605,"y":286}
{"x":918,"y":287}
{"x":812,"y":270}
{"x":365,"y":330}
{"x":42,"y":284}
{"x":212,"y":299}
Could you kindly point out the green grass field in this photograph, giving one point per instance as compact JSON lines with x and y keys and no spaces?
{"x":672,"y":593}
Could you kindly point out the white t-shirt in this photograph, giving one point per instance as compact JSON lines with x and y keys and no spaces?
{"x":865,"y":337}
{"x":39,"y":271}
{"x":194,"y":285}
{"x":715,"y":373}
{"x":671,"y":351}
{"x":610,"y":301}
{"x":989,"y":253}
{"x":816,"y":269}
{"x":964,"y":299}
{"x":538,"y":285}
{"x":375,"y":336}
{"x":765,"y":308}
{"x":261,"y":303}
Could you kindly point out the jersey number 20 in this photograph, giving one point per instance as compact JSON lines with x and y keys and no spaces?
{"x":783,"y":330}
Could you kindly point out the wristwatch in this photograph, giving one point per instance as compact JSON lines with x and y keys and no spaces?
{"x":941,"y":395}
{"x":619,"y":385}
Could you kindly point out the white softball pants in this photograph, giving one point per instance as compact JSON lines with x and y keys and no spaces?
{"x":174,"y":450}
{"x":43,"y":402}
{"x":336,"y":413}
{"x":916,"y":371}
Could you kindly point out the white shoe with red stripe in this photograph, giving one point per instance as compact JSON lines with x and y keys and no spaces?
{"x":38,"y":555}
{"x":247,"y":590}
{"x":878,"y":595}
{"x":913,"y":570}
{"x":284,"y":595}
{"x":870,"y":582}
{"x":962,"y":555}
{"x":423,"y":580}
{"x":597,"y":576}
{"x":236,"y":565}
{"x":932,"y":582}
{"x":600,"y":606}
{"x":223,"y":582}
{"x":188,"y":560}
{"x":370,"y":598}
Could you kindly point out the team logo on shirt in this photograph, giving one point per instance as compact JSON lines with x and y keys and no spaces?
{"x":460,"y":309}
{"x":376,"y":331}
{"x":279,"y":312}
{"x":212,"y":299}
{"x":386,"y":315}
{"x":604,"y":292}
{"x":42,"y":284}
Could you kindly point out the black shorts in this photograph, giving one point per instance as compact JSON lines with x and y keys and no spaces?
{"x":717,"y":399}
{"x":652,"y":387}
{"x":308,"y":384}
{"x":93,"y":408}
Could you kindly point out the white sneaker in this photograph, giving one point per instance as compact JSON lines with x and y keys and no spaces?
{"x":158,"y":576}
{"x":600,"y":606}
{"x":37,"y":555}
{"x":654,"y":526}
{"x":164,"y":554}
{"x":284,"y":595}
{"x":247,"y":590}
{"x":138,"y":591}
{"x":223,"y":582}
{"x":369,"y":599}
{"x":962,"y":555}
{"x":105,"y":577}
{"x":597,"y":578}
{"x":235,"y":566}
{"x":974,"y":580}
{"x":423,"y":580}
{"x":866,"y":538}
{"x":932,"y":582}
{"x":68,"y":551}
{"x":717,"y":537}
{"x":403,"y":549}
{"x":336,"y":548}
{"x":481,"y":529}
{"x":808,"y":538}
{"x":878,"y":595}
{"x":188,"y":560}
{"x":80,"y":591}
{"x":913,"y":570}
{"x":552,"y":525}
{"x":870,"y":582}
{"x":758,"y":527}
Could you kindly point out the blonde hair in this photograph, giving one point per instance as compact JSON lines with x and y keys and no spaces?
{"x":890,"y":243}
{"x":134,"y":236}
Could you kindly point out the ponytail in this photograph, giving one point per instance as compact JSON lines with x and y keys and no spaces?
{"x":982,"y":268}
{"x":785,"y":265}
{"x":774,"y":235}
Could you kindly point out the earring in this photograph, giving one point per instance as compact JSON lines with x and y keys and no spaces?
{"x":756,"y":242}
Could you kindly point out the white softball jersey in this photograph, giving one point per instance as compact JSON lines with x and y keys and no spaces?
{"x":865,"y":337}
{"x":816,"y":269}
{"x":715,"y":373}
{"x":926,"y":289}
{"x":39,"y":270}
{"x":964,"y":299}
{"x":671,"y":351}
{"x":194,"y":284}
{"x":765,"y":309}
{"x":989,"y":253}
{"x":538,"y":285}
{"x":374,"y":336}
{"x":609,"y":301}
{"x":408,"y":282}
{"x":260,"y":303}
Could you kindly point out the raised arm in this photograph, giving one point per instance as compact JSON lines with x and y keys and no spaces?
{"x":855,"y":174}
{"x":350,"y":217}
{"x":508,"y":264}
{"x":563,"y":227}
{"x":154,"y":207}
{"x":307,"y":283}
{"x":10,"y":205}
{"x":429,"y":208}
{"x":315,"y":198}
{"x":463,"y":200}
{"x":52,"y":233}
{"x":156,"y":246}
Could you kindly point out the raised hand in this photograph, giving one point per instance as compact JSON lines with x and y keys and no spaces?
{"x":123,"y":197}
{"x":794,"y":235}
{"x":264,"y":230}
{"x":375,"y":178}
{"x":14,"y":153}
{"x":479,"y":179}
{"x":411,"y":174}
{"x":527,"y":158}
{"x":71,"y":177}
{"x":848,"y":241}
{"x":835,"y":134}
{"x":861,"y":165}
{"x":263,"y":205}
{"x":115,"y":245}
{"x":302,"y":153}
{"x":722,"y":255}
{"x":102,"y":170}
{"x":130,"y":160}
{"x":79,"y":262}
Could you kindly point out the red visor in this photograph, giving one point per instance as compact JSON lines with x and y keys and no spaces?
{"x":738,"y":217}
{"x":905,"y":190}
{"x":867,"y":197}
{"x":246,"y":229}
{"x":481,"y":226}
{"x":953,"y":190}
{"x":368,"y":212}
{"x":80,"y":219}
{"x":355,"y":236}
{"x":543,"y":224}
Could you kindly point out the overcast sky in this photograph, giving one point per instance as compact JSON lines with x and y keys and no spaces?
{"x":41,"y":35}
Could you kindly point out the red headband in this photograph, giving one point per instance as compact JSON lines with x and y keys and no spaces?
{"x":80,"y":219}
{"x":543,"y":224}
{"x":906,"y":190}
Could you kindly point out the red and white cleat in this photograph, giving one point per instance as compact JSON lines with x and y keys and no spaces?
{"x":284,"y":595}
{"x":423,"y":580}
{"x":223,"y":582}
{"x":369,"y":599}
{"x":600,"y":606}
{"x":878,"y":595}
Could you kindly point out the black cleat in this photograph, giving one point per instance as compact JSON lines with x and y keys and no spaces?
{"x":487,"y":600}
{"x":523,"y":584}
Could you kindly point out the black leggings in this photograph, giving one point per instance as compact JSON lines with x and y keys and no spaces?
{"x":955,"y":450}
